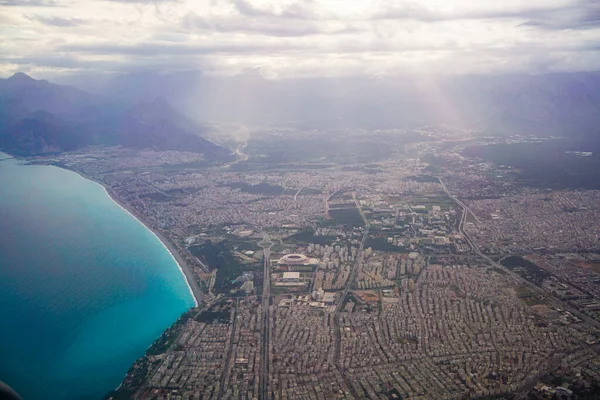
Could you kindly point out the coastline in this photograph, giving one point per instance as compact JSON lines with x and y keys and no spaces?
{"x":172,"y":246}
{"x":181,"y":263}
{"x":183,"y":266}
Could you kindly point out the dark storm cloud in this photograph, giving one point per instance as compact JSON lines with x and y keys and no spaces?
{"x":28,"y":3}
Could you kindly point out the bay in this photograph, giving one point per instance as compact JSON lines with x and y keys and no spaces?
{"x":85,"y":288}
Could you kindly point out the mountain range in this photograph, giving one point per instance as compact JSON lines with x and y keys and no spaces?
{"x":541,"y":104}
{"x":37,"y":116}
{"x":139,"y":110}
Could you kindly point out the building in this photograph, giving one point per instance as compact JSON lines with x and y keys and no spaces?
{"x":329,"y":298}
{"x":248,"y":287}
{"x":293,"y":259}
{"x":291,"y":277}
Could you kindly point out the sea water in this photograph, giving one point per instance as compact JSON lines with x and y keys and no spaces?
{"x":84,"y":287}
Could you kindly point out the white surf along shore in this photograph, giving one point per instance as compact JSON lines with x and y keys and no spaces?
{"x":161,"y":242}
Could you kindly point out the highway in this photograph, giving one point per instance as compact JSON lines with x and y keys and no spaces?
{"x":297,"y":193}
{"x":463,"y":217}
{"x":354,"y":271}
{"x":240,"y":156}
{"x":344,"y":293}
{"x":265,"y":326}
{"x":328,"y":197}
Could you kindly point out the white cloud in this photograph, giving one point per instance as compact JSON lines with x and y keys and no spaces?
{"x":299,"y":38}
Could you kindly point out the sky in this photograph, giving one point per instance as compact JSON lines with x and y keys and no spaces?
{"x":292,"y":39}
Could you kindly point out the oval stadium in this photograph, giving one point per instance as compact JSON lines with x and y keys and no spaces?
{"x":293,"y":259}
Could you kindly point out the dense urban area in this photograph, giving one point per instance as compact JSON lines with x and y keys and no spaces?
{"x":428,"y":272}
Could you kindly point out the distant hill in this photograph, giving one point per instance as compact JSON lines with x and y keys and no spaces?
{"x":40,"y":117}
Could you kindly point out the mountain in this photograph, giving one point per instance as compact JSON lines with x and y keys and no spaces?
{"x":119,"y":112}
{"x":159,"y":109}
{"x":133,"y":88}
{"x":62,"y":100}
{"x":156,"y":124}
{"x":40,"y":117}
{"x":41,"y":132}
{"x":544,"y":104}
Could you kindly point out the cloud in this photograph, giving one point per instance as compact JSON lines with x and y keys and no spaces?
{"x":247,"y":9}
{"x":264,"y":26}
{"x":296,"y":10}
{"x":293,"y":37}
{"x":280,"y":20}
{"x":580,"y":14}
{"x":95,"y":65}
{"x":150,"y":2}
{"x":419,"y":12}
{"x":68,"y":62}
{"x":406,"y":10}
{"x":56,"y":21}
{"x":583,"y":15}
{"x":170,"y":49}
{"x":28,"y":3}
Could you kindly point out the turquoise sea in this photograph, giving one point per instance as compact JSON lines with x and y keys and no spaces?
{"x":84,"y":287}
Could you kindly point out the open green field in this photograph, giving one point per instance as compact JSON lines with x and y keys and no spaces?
{"x":219,"y":256}
{"x":526,"y":269}
{"x":347,"y":216}
{"x":530,"y":297}
{"x":308,"y":236}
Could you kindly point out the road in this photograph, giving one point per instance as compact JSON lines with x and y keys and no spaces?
{"x":225,"y":374}
{"x":240,"y":156}
{"x":265,"y":325}
{"x":328,"y":197}
{"x":354,"y":271}
{"x":555,"y":301}
{"x":466,"y":211}
{"x":344,"y":293}
{"x":297,"y":193}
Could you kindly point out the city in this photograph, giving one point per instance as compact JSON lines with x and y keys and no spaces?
{"x":300,"y":199}
{"x":390,"y":280}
